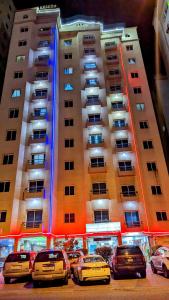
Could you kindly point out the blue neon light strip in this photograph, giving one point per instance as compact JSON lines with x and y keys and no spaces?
{"x":53,"y":121}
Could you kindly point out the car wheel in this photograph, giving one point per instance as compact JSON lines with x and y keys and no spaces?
{"x":107,"y":281}
{"x":115,"y":275}
{"x":154,"y":270}
{"x":35,"y":283}
{"x":65,"y":280}
{"x":143,"y":274}
{"x":7,"y":280}
{"x":165,"y":272}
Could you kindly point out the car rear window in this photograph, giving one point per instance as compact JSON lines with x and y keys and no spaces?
{"x":49,"y":256}
{"x":18,"y":257}
{"x":73,"y":255}
{"x":93,"y":259}
{"x":128,"y":251}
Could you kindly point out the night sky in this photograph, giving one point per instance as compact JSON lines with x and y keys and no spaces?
{"x":131,"y":12}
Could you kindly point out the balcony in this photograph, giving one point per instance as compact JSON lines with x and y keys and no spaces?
{"x":129,"y":195}
{"x":34,"y":117}
{"x":97,"y":168}
{"x":31,"y":226}
{"x":34,"y":192}
{"x":39,"y":96}
{"x":93,"y":102}
{"x":115,"y":108}
{"x":41,"y":61}
{"x":133,"y":224}
{"x":38,"y":138}
{"x":114,"y":76}
{"x":123,"y":127}
{"x":99,"y":194}
{"x":100,"y":143}
{"x":36,"y":164}
{"x":126,"y":171}
{"x":39,"y":78}
{"x":113,"y":62}
{"x":44,"y":31}
{"x":94,"y":122}
{"x":122,"y":147}
{"x":89,"y":39}
{"x":110,"y":46}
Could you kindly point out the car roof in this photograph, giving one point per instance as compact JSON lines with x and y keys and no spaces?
{"x":163,"y":247}
{"x":127,"y":246}
{"x":91,"y":255}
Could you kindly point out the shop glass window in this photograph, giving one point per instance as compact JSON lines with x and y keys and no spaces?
{"x":3,"y":216}
{"x":128,"y":190}
{"x":69,"y":143}
{"x":143,"y":124}
{"x":99,"y":188}
{"x":68,"y":103}
{"x":34,"y":218}
{"x":4,"y":186}
{"x":101,"y":216}
{"x":8,"y":159}
{"x":132,"y":218}
{"x":125,"y":165}
{"x":11,"y":135}
{"x":140,"y":106}
{"x":68,"y":71}
{"x":36,"y":186}
{"x":68,"y":55}
{"x":18,"y":74}
{"x":20,"y":58}
{"x":68,"y":87}
{"x":69,"y":165}
{"x":16,"y":93}
{"x":13,"y":113}
{"x":132,"y":61}
{"x":69,"y":122}
{"x":96,"y":162}
{"x":69,"y":190}
{"x":67,"y":43}
{"x":22,"y":43}
{"x":156,"y":190}
{"x":147,"y":144}
{"x":90,"y":66}
{"x":69,"y":218}
{"x":94,"y":118}
{"x":151,"y":166}
{"x":161,"y":215}
{"x":137,"y":90}
{"x":95,"y":138}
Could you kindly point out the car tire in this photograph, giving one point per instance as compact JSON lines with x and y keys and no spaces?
{"x":165,"y":271}
{"x":115,"y":275}
{"x":143,"y":274}
{"x":107,"y":281}
{"x":35,"y":283}
{"x":65,"y":280}
{"x":7,"y":280}
{"x":154,"y":270}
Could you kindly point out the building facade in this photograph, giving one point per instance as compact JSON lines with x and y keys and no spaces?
{"x":81,"y":152}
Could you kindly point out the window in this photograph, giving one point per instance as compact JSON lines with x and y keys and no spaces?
{"x":69,"y":165}
{"x":69,"y":218}
{"x":95,"y":138}
{"x":25,"y":16}
{"x":22,"y":43}
{"x":128,"y":190}
{"x":112,"y":57}
{"x":134,"y":75}
{"x":18,"y":74}
{"x":37,"y":159}
{"x":69,"y":122}
{"x":44,"y":29}
{"x":99,"y":188}
{"x":68,"y":55}
{"x":4,"y":186}
{"x":119,"y":123}
{"x":97,"y":162}
{"x":137,"y":90}
{"x":36,"y":186}
{"x":8,"y":159}
{"x":68,"y":87}
{"x":132,"y":218}
{"x":115,"y":88}
{"x":114,"y":72}
{"x":2,"y":216}
{"x":90,"y":66}
{"x":39,"y":134}
{"x":90,"y":37}
{"x":129,"y":47}
{"x":13,"y":113}
{"x":151,"y":166}
{"x":89,"y":51}
{"x":93,"y":100}
{"x":94,"y":118}
{"x":42,"y":59}
{"x":161,"y":216}
{"x":20,"y":58}
{"x":117,"y":105}
{"x":125,"y":165}
{"x":41,"y":93}
{"x":34,"y":218}
{"x":143,"y":124}
{"x":68,"y":71}
{"x":147,"y":144}
{"x":67,"y":43}
{"x":44,"y":43}
{"x":92,"y":82}
{"x":16,"y":93}
{"x":68,"y":103}
{"x":40,"y":112}
{"x":24,"y":29}
{"x":101,"y":216}
{"x":69,"y":190}
{"x":156,"y":190}
{"x":131,"y":61}
{"x":69,"y":143}
{"x":122,"y":143}
{"x":140,"y":106}
{"x":11,"y":135}
{"x":41,"y":75}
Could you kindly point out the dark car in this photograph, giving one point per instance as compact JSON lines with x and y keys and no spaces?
{"x":127,"y":259}
{"x":73,"y":257}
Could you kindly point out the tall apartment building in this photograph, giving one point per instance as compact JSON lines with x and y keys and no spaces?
{"x":81,"y":155}
{"x":7,"y":12}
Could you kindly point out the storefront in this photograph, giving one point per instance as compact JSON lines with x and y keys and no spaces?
{"x":32,"y":243}
{"x":101,"y":241}
{"x":138,"y":239}
{"x":6,"y":246}
{"x":68,"y":243}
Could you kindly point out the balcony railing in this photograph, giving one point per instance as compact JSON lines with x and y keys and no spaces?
{"x":39,"y":96}
{"x":41,"y":61}
{"x":39,"y":78}
{"x":102,"y":221}
{"x":129,"y":194}
{"x":34,"y":116}
{"x":35,"y":189}
{"x":99,"y":191}
{"x":92,"y":144}
{"x":117,"y":127}
{"x":32,"y":224}
{"x":97,"y":168}
{"x":39,"y":136}
{"x":89,"y":40}
{"x":34,"y":192}
{"x":91,"y":122}
{"x":93,"y":102}
{"x":119,"y":108}
{"x":126,"y":171}
{"x":133,"y":224}
{"x":35,"y":162}
{"x":110,"y":46}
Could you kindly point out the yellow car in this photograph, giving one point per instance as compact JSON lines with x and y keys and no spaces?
{"x":91,"y":268}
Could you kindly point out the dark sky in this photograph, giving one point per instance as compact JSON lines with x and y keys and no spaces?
{"x":132,"y":12}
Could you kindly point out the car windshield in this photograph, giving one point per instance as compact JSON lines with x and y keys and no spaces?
{"x":18,"y":257}
{"x":49,"y":256}
{"x":93,"y":259}
{"x":128,"y":251}
{"x":73,"y":255}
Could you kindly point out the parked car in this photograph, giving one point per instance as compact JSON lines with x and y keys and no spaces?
{"x":2,"y":260}
{"x":50,"y":265}
{"x":160,"y":261}
{"x":91,"y":268}
{"x":73,"y":257}
{"x":18,"y":264}
{"x":127,"y":259}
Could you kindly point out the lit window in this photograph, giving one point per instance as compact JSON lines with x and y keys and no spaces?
{"x":140,"y":106}
{"x":16,"y":93}
{"x":95,"y":138}
{"x":67,"y":43}
{"x":2,"y":216}
{"x":90,"y":66}
{"x":44,"y":43}
{"x":68,"y":71}
{"x":119,"y":123}
{"x":20,"y":58}
{"x":156,"y":190}
{"x":69,"y":218}
{"x":68,"y":87}
{"x":161,"y":216}
{"x":101,"y":216}
{"x":132,"y":218}
{"x":92,"y":82}
{"x":131,"y":61}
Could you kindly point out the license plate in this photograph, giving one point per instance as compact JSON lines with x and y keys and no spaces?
{"x":46,"y":269}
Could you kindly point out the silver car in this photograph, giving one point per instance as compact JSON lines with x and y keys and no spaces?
{"x":160,"y":261}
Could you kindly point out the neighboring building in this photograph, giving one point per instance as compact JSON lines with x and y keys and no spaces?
{"x":80,"y":148}
{"x":7,"y":13}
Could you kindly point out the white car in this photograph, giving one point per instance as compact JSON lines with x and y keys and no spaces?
{"x":50,"y":265}
{"x":91,"y":268}
{"x":160,"y":261}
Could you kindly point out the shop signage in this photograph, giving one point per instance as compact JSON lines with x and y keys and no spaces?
{"x":50,"y":6}
{"x":103,"y":227}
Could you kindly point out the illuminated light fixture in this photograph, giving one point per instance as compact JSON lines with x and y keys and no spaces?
{"x":104,"y":227}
